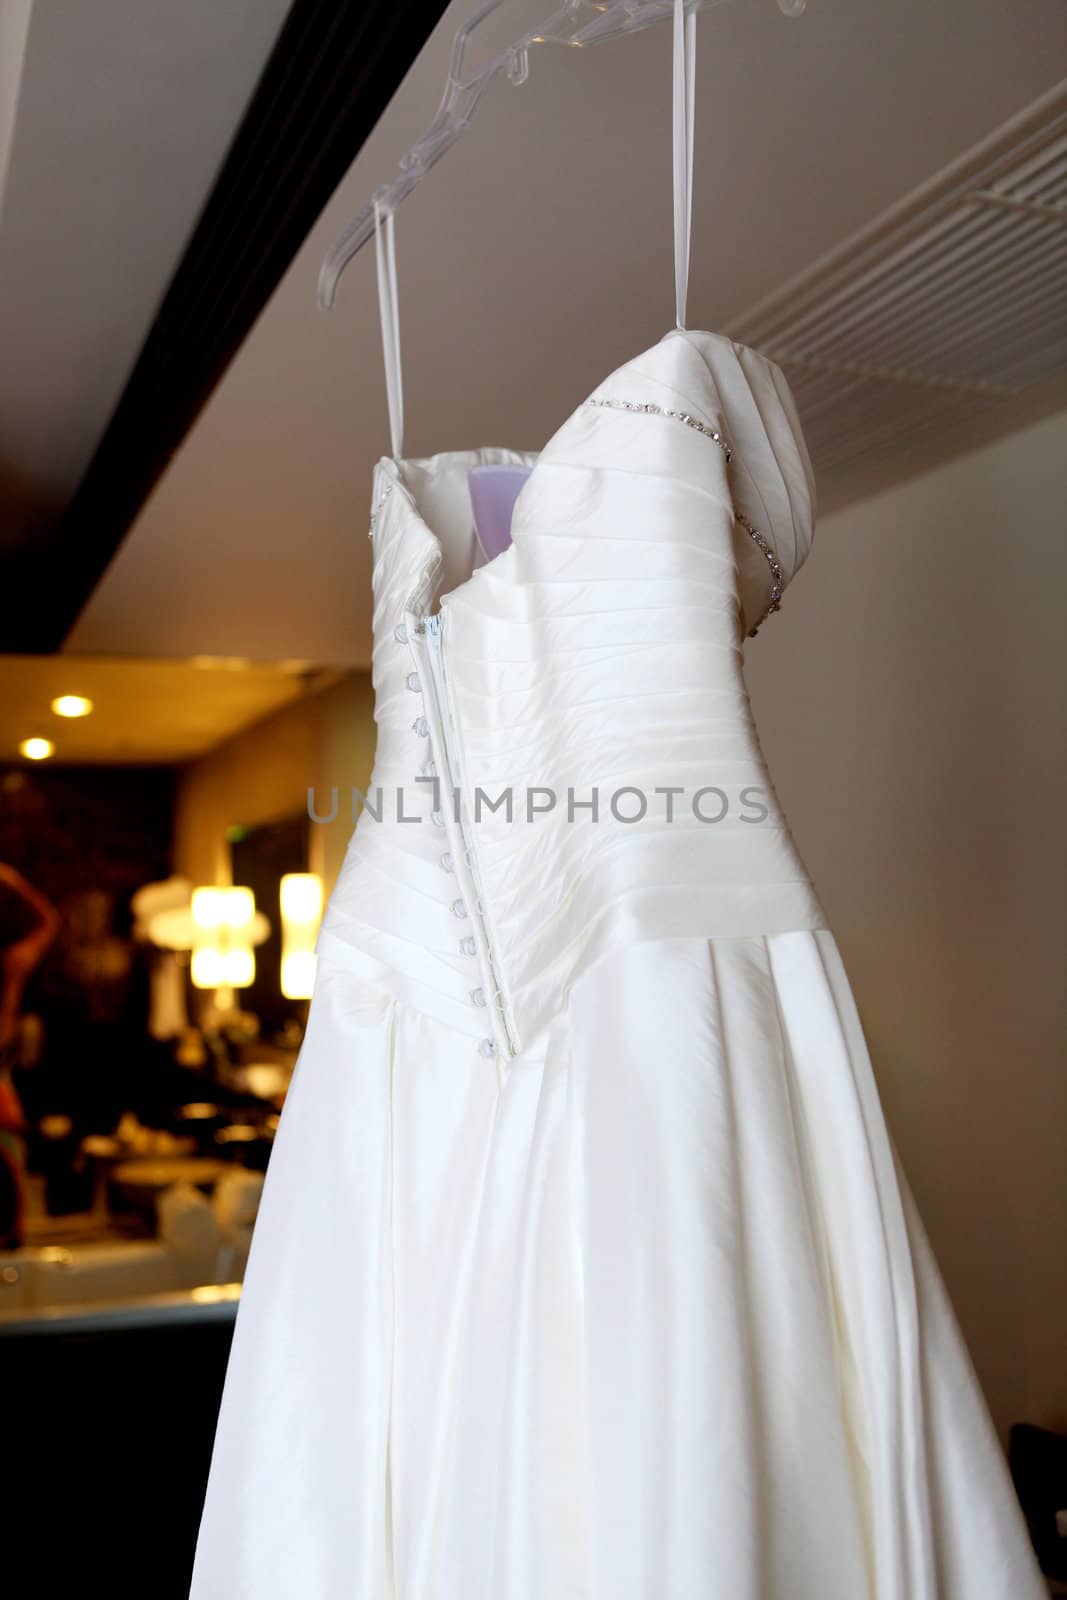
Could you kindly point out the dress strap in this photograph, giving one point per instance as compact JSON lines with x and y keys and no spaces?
{"x":385,"y":253}
{"x":684,"y":99}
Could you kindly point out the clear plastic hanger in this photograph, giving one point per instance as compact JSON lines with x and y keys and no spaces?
{"x":578,"y":24}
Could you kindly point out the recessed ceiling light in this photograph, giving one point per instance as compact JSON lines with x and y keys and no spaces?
{"x":37,"y":749}
{"x":72,"y":705}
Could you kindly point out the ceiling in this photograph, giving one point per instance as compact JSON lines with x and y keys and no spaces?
{"x":533,"y":260}
{"x":144,"y":711}
{"x":121,"y":116}
{"x":940,"y":325}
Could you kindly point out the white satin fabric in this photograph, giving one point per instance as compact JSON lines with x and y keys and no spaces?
{"x":601,"y":651}
{"x":639,"y":1307}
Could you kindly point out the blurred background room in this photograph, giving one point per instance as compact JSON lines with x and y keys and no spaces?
{"x":186,"y":706}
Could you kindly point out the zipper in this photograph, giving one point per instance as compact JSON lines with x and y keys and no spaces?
{"x":443,"y":735}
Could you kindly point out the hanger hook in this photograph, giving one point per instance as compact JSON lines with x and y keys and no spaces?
{"x":518,"y":68}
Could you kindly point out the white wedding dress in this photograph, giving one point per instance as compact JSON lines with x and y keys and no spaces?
{"x":584,"y":1268}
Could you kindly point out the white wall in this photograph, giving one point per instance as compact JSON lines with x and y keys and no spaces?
{"x":910,"y":702}
{"x":323,"y":741}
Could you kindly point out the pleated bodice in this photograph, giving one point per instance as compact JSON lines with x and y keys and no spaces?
{"x":579,"y":699}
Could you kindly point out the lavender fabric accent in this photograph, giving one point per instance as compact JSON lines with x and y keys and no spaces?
{"x":494,"y":491}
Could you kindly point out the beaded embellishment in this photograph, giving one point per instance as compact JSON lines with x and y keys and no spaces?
{"x":662,"y":411}
{"x":772,"y":561}
{"x":775,"y":603}
{"x":382,"y":498}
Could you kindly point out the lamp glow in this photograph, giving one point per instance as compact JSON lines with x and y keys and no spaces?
{"x":240,"y":907}
{"x":37,"y":749}
{"x":225,"y":924}
{"x":71,"y":705}
{"x":300,"y":897}
{"x":298,"y":974}
{"x":207,"y":908}
{"x":239,"y":966}
{"x":207,"y":967}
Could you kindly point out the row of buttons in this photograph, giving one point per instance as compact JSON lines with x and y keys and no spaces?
{"x":467,"y":945}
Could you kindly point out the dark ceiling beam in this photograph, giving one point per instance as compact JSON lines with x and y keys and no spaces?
{"x":332,"y":72}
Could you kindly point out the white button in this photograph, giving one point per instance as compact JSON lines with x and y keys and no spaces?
{"x":413,"y":682}
{"x":458,"y":908}
{"x":400,"y":633}
{"x":467,"y":946}
{"x":437,"y":818}
{"x":478,"y":997}
{"x":421,"y":727}
{"x":447,"y":862}
{"x":487,"y":1048}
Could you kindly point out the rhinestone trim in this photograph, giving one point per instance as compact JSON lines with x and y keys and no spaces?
{"x":383,"y":497}
{"x":662,"y":411}
{"x":775,"y":603}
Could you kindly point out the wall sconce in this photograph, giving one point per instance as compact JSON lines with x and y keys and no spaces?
{"x":226,"y":926}
{"x":301,"y":906}
{"x":37,"y":749}
{"x":72,"y":705}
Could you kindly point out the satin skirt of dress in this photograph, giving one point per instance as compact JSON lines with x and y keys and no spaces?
{"x":652,"y":1317}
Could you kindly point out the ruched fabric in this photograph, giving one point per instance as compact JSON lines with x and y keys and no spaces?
{"x":585,"y":1267}
{"x":601,"y":652}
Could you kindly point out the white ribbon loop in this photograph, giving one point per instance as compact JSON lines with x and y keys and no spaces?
{"x":684,"y":101}
{"x":388,"y":305}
